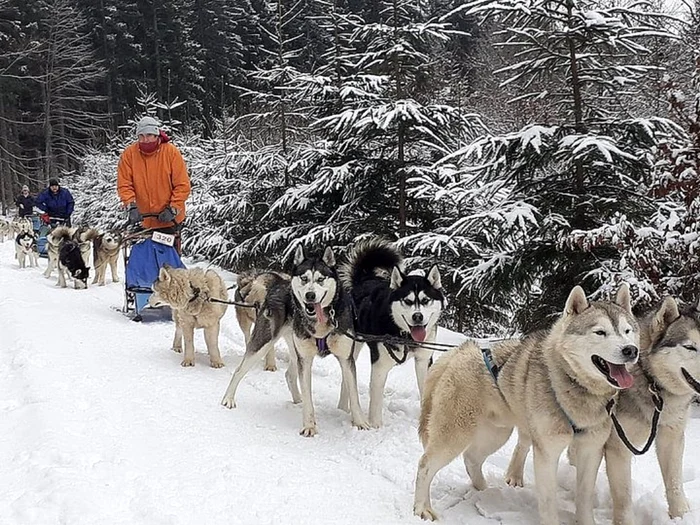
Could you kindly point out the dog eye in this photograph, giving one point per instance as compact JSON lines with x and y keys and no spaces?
{"x":424,"y":301}
{"x":600,"y":333}
{"x":320,"y":280}
{"x":628,"y":331}
{"x":692,"y":348}
{"x":408,"y":302}
{"x":304,"y":279}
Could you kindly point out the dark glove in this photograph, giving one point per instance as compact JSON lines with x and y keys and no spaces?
{"x":134,"y":214}
{"x":167,"y":215}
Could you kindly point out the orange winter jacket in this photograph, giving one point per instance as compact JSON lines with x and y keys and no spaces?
{"x":153,"y":181}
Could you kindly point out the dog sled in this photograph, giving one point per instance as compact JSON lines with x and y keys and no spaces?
{"x":145,"y":252}
{"x":43,"y":224}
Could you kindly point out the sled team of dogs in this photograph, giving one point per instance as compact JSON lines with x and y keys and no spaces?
{"x":68,"y":249}
{"x":559,"y":388}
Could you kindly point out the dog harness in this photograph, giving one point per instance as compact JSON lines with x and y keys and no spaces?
{"x":322,"y":346}
{"x":490,"y":365}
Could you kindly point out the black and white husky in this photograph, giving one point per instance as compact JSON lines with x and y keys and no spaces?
{"x":25,"y":247}
{"x":393,"y":304}
{"x":312,"y":312}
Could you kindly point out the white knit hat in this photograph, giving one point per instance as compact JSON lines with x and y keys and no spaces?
{"x":147,"y":126}
{"x":25,"y":188}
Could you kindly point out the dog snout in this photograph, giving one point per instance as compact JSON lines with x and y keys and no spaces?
{"x":417,"y":317}
{"x":631,"y":352}
{"x":310,"y":297}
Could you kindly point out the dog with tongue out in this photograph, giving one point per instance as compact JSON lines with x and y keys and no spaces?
{"x":321,"y":324}
{"x":391,"y":306}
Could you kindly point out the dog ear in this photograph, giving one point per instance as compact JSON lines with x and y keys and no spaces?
{"x":163,"y":274}
{"x":664,"y":316}
{"x":434,"y":277}
{"x":328,"y":257}
{"x":299,"y":255}
{"x":577,"y":302}
{"x":396,"y":278}
{"x":623,"y":297}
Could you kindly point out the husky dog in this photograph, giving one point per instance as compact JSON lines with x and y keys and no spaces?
{"x":84,"y":236}
{"x":555,"y":387}
{"x":105,"y":251}
{"x":80,"y":236}
{"x":391,"y":303}
{"x":188,"y":293}
{"x":5,"y":230}
{"x":314,"y":309}
{"x":669,"y":365}
{"x":25,"y":246}
{"x":64,"y":254}
{"x":23,"y":225}
{"x":252,"y":288}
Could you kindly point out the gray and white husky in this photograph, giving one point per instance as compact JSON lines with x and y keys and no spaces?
{"x":313,"y":314}
{"x":390,"y":303}
{"x":669,"y":365}
{"x":554,"y":386}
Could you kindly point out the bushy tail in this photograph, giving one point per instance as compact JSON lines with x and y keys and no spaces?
{"x":243,"y":283}
{"x":89,"y":235}
{"x":366,"y":259}
{"x":62,"y":233}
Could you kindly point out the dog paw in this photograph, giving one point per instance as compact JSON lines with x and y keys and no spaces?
{"x":361,"y":424}
{"x":271,"y":368}
{"x":177,"y":349}
{"x":375,"y":423}
{"x":228,"y":402}
{"x":679,"y":508}
{"x":426,"y":513}
{"x":187,"y":362}
{"x":309,"y":431}
{"x":116,"y":280}
{"x":216,"y":364}
{"x":514,"y":481}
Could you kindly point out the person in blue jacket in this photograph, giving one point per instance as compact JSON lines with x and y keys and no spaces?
{"x":57,"y":202}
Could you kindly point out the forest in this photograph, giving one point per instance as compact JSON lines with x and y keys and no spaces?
{"x":522,"y":145}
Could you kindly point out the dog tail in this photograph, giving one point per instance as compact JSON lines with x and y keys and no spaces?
{"x":89,"y":235}
{"x":244,"y":282}
{"x":62,"y":233}
{"x":367,"y":259}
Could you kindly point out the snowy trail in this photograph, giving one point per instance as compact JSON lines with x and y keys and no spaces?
{"x":100,"y":424}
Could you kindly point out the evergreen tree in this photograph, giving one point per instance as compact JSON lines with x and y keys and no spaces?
{"x":517,"y":198}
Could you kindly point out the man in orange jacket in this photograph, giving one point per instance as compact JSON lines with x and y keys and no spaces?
{"x":152,"y":179}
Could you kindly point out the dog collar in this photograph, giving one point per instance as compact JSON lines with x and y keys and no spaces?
{"x":195,"y":293}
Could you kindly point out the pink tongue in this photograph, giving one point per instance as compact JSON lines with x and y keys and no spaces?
{"x":620,"y":374}
{"x":320,"y":314}
{"x":418,"y":333}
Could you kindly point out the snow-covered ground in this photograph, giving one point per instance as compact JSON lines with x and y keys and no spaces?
{"x":100,"y":425}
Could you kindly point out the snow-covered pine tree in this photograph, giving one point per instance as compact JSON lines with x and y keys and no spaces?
{"x":661,"y":254}
{"x":376,"y":127}
{"x":514,"y":200}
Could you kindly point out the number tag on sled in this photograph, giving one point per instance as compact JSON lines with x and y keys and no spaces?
{"x":164,"y":238}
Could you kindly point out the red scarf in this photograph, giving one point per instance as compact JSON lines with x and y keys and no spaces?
{"x":148,"y":148}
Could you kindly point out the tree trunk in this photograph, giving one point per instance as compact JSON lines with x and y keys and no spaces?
{"x":4,"y":156}
{"x":401,"y":132}
{"x":110,"y":58}
{"x":283,"y":109}
{"x":156,"y":56}
{"x":579,"y":218}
